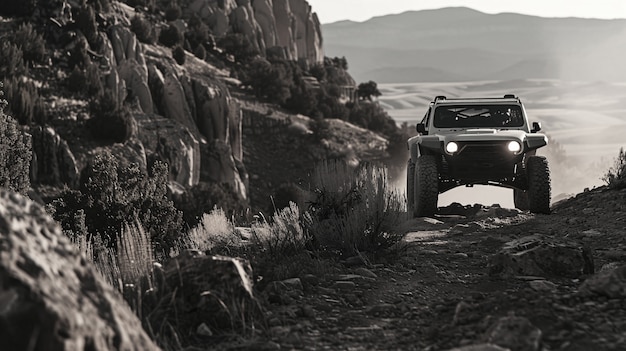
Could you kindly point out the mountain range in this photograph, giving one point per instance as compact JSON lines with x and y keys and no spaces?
{"x":462,"y":44}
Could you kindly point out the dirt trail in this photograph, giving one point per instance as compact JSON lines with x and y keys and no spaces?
{"x":439,"y":295}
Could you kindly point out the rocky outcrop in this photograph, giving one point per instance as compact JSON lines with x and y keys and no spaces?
{"x":171,"y":142}
{"x":286,"y":26}
{"x":51,"y":298}
{"x":538,"y":255}
{"x":53,"y":162}
{"x":222,"y":168}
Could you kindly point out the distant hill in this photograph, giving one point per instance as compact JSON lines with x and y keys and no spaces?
{"x":461,"y":43}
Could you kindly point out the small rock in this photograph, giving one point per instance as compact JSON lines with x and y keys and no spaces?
{"x":429,"y":252}
{"x":382,"y":308}
{"x":310,"y":280}
{"x":353,"y":261}
{"x":204,"y":330}
{"x":365,"y":272}
{"x":293,"y":284}
{"x":432,"y":221}
{"x":516,"y":333}
{"x":543,"y":285}
{"x":461,"y":255}
{"x":344,"y":285}
{"x":480,"y":347}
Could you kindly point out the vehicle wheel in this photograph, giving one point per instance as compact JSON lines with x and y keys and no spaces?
{"x":426,"y":187}
{"x":410,"y":185}
{"x":538,"y":175}
{"x":520,"y":199}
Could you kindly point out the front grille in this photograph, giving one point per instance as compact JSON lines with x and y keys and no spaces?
{"x":482,"y":161}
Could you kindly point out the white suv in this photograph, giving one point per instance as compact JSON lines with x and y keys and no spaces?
{"x":468,"y":141}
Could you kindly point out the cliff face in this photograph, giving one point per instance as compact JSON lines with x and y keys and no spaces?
{"x":288,"y":27}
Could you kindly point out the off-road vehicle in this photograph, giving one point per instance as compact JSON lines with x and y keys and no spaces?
{"x":468,"y":141}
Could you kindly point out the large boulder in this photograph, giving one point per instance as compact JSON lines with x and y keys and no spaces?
{"x":540,"y":255}
{"x":135,"y":77}
{"x":514,"y":333}
{"x":610,"y":282}
{"x":51,"y":298}
{"x":207,"y":295}
{"x":53,"y":162}
{"x":171,"y":142}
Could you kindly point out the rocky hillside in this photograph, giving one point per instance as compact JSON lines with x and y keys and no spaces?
{"x":181,"y":108}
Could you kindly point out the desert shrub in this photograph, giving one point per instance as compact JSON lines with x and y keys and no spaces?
{"x":368,"y":91}
{"x":373,"y":117}
{"x":79,"y":55}
{"x":178,"y":53}
{"x":355,"y":210}
{"x":11,"y":60}
{"x":173,"y":12}
{"x":111,"y":120}
{"x":17,"y":8}
{"x":86,"y":80}
{"x":197,"y":32}
{"x":15,"y":153}
{"x":143,"y":29}
{"x":200,"y":52}
{"x":284,"y":235}
{"x":171,"y":36}
{"x":284,"y":195}
{"x":26,"y":104}
{"x":206,"y":196}
{"x":215,"y":233}
{"x":239,"y":46}
{"x":86,"y":23}
{"x":32,"y":44}
{"x":271,"y":82}
{"x":111,"y":195}
{"x":615,"y":177}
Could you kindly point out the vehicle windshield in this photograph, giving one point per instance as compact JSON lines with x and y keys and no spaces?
{"x":478,"y":116}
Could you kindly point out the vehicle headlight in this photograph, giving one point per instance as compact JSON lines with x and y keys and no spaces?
{"x":515,"y":146}
{"x":452,"y":147}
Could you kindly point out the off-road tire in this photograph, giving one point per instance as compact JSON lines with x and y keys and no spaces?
{"x":538,"y":175}
{"x":426,"y":186}
{"x":520,"y":199}
{"x":410,"y":186}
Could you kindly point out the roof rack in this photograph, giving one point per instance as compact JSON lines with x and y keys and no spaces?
{"x":508,"y":96}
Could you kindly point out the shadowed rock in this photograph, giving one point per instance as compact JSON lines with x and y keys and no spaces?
{"x":51,"y":298}
{"x":514,"y":333}
{"x":214,"y":293}
{"x":53,"y":162}
{"x":608,"y":282}
{"x":539,"y":255}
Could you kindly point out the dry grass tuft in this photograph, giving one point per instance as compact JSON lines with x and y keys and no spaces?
{"x":355,"y":210}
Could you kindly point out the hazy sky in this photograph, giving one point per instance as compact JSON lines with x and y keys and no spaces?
{"x":361,"y":10}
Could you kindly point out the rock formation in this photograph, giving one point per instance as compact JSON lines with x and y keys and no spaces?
{"x":53,"y":162}
{"x":287,"y":25}
{"x":51,"y":298}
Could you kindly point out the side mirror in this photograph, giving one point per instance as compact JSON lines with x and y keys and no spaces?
{"x":536,"y":127}
{"x":421,"y":128}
